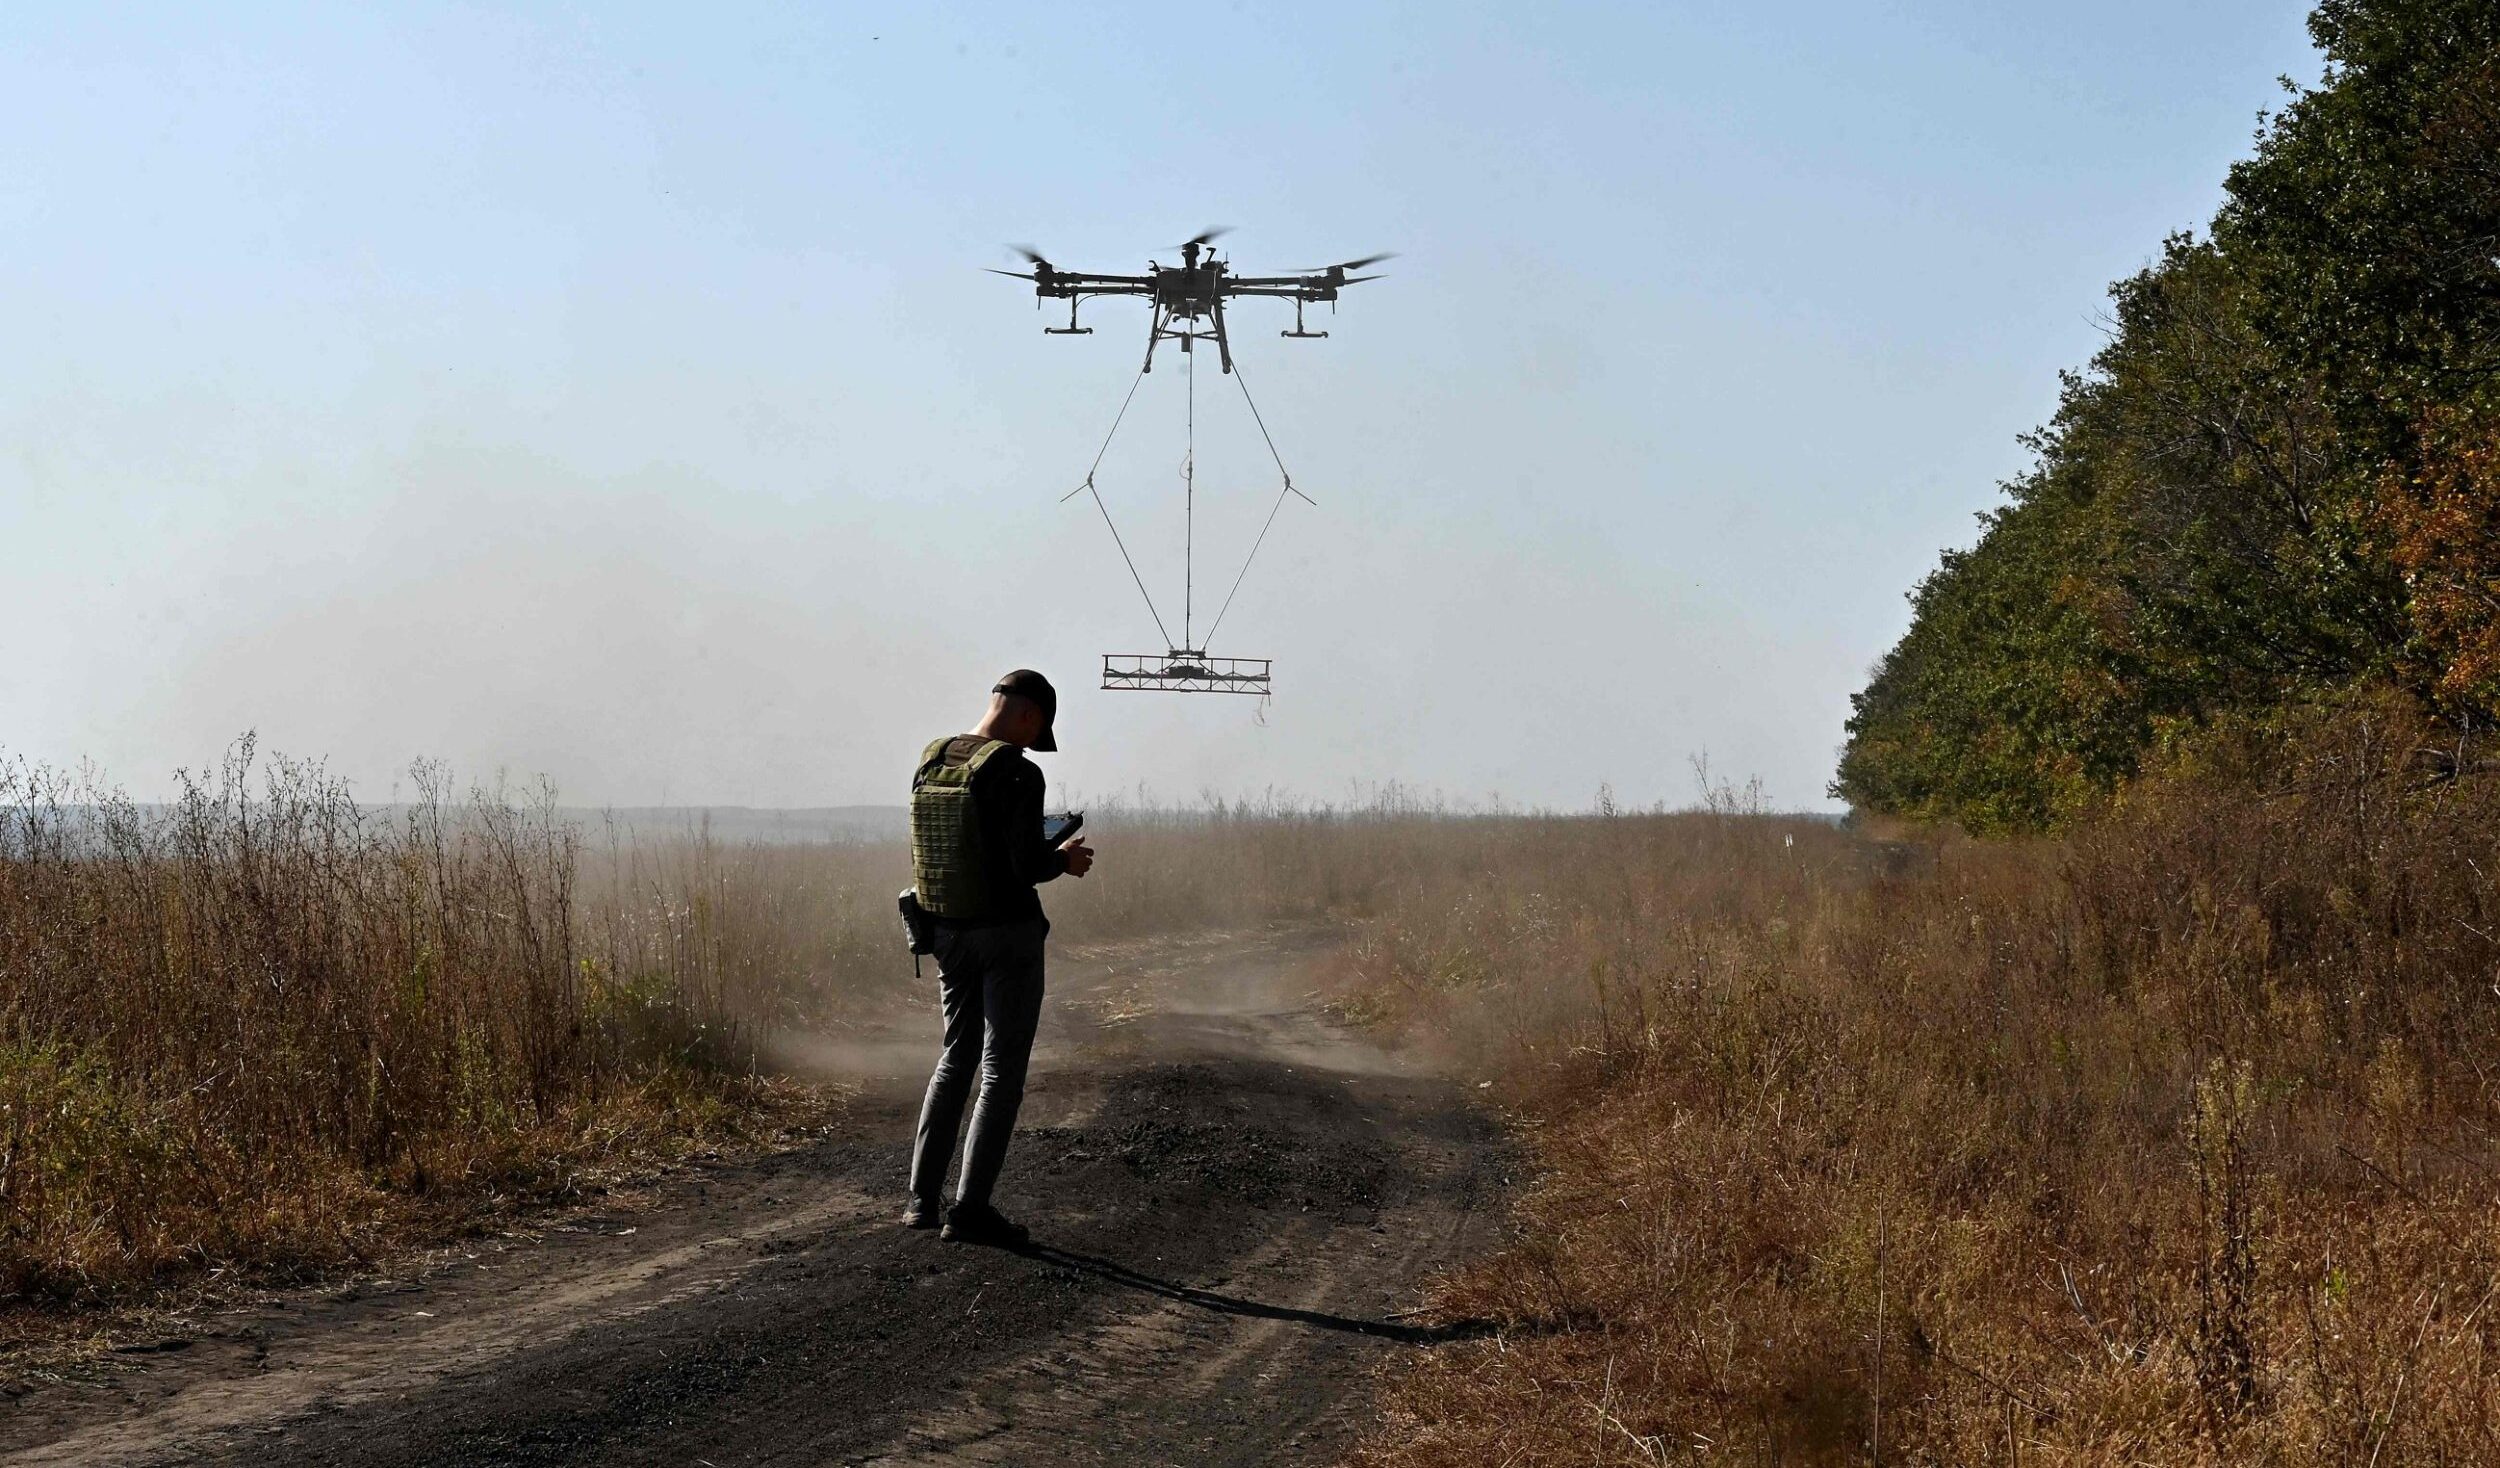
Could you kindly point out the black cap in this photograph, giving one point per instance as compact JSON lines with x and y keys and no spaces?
{"x":1025,"y":683}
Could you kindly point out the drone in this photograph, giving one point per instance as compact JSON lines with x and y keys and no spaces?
{"x":1188,"y":308}
{"x":1192,"y":294}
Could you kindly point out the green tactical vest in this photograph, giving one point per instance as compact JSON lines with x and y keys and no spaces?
{"x":949,"y":860}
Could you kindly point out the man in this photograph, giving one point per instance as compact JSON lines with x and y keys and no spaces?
{"x":978,"y":852}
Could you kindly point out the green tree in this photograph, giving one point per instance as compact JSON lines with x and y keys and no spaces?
{"x":2264,"y":488}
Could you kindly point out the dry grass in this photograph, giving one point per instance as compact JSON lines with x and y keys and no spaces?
{"x":2171,"y":1142}
{"x":263,"y":1027}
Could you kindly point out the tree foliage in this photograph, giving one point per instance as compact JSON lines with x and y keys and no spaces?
{"x":2280,"y":478}
{"x":2443,"y":520}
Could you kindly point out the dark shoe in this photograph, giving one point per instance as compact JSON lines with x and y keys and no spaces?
{"x":920,"y":1213}
{"x":979,"y":1223}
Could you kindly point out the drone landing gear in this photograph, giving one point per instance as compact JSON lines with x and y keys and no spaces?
{"x":1071,"y":329}
{"x":1297,"y":326}
{"x":1185,"y":670}
{"x":1188,"y":334}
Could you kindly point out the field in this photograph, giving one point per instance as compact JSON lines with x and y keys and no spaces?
{"x":2169,"y":1141}
{"x":262,"y":1028}
{"x":2165,"y":1140}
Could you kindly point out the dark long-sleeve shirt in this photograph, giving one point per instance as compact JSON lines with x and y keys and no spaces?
{"x":1008,"y":794}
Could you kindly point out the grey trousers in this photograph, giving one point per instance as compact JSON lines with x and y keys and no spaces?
{"x":990,"y":989}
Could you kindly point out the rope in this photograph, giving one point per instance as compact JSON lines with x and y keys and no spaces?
{"x":1189,"y":483}
{"x":1263,"y":433}
{"x":1246,"y":560}
{"x":1088,"y":487}
{"x":1271,"y":510}
{"x":1132,"y":565}
{"x":1189,"y":495}
{"x":1106,"y":438}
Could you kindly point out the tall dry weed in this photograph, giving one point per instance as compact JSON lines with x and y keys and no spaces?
{"x":265,"y":1026}
{"x":2170,"y":1142}
{"x":262,"y":1025}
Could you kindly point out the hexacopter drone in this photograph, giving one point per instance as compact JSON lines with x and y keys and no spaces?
{"x":1188,"y":307}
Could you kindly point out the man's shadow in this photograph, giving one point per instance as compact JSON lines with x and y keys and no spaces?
{"x":1222,"y":1304}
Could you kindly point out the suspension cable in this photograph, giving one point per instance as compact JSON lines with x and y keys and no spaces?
{"x":1132,"y":565}
{"x":1106,"y":438}
{"x":1246,"y":560}
{"x":1189,"y":490}
{"x":1088,"y":487}
{"x":1289,"y":488}
{"x":1189,"y":501}
{"x":1256,"y":417}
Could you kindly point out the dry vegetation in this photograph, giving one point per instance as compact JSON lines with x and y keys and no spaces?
{"x":264,"y":1029}
{"x":2168,"y":1142}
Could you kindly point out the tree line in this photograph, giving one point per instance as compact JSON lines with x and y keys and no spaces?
{"x":2278,"y":483}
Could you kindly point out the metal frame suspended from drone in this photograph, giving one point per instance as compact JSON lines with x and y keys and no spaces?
{"x":1188,"y":308}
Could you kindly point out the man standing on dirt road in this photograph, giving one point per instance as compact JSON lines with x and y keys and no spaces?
{"x":978,"y":850}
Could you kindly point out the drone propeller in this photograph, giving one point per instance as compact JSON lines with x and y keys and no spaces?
{"x":1206,"y":236}
{"x":1031,"y":255}
{"x":1010,"y":274}
{"x":1352,"y":264}
{"x":1357,"y":279}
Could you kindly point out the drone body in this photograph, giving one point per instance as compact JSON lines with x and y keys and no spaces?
{"x":1189,"y":299}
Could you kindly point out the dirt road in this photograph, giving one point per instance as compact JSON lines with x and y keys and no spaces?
{"x":1232,"y":1202}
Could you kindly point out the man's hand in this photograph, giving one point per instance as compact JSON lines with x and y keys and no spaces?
{"x":1080,"y":856}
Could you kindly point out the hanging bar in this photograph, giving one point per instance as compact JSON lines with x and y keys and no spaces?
{"x":1185,"y":670}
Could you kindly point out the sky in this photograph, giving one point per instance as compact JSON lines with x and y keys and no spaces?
{"x":612,"y":394}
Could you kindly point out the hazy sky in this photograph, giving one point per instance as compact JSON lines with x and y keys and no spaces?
{"x":614,"y":394}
